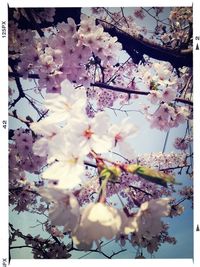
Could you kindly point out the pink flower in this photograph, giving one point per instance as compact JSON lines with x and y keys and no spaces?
{"x":181,"y":143}
{"x":67,"y":29}
{"x":139,"y":13}
{"x":163,"y":118}
{"x":182,"y":114}
{"x":154,"y":96}
{"x":169,"y":94}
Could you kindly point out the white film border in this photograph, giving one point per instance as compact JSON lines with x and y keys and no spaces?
{"x":4,"y":131}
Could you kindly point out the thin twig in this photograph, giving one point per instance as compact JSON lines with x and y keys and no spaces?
{"x":158,"y":20}
{"x":165,"y":143}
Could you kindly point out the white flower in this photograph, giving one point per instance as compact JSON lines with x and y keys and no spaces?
{"x":163,"y":74}
{"x":182,"y":114}
{"x":145,"y":74}
{"x":146,"y":223}
{"x":69,"y":166}
{"x":90,"y":134}
{"x":67,"y":105}
{"x":49,"y":132}
{"x":65,"y":210}
{"x":97,"y":221}
{"x":119,"y":134}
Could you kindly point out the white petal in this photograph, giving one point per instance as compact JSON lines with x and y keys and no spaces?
{"x":40,"y":147}
{"x":101,"y":144}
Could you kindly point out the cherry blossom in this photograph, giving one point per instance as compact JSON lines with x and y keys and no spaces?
{"x":68,"y":167}
{"x":147,"y":220}
{"x":169,"y":94}
{"x":65,"y":105}
{"x":42,"y":146}
{"x":120,"y":134}
{"x":181,"y":143}
{"x":155,"y":97}
{"x":139,"y":13}
{"x":91,"y":134}
{"x":65,"y":210}
{"x":96,"y":216}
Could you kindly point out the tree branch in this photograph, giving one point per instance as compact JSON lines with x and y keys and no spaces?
{"x":91,"y":164}
{"x":98,"y":251}
{"x":139,"y":189}
{"x":110,"y":87}
{"x":128,"y":91}
{"x":20,"y":90}
{"x":61,"y":14}
{"x":137,"y":46}
{"x":118,"y":89}
{"x":33,"y":23}
{"x":157,"y":19}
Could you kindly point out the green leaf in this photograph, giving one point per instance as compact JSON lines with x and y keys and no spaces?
{"x":132,"y":168}
{"x":155,"y":176}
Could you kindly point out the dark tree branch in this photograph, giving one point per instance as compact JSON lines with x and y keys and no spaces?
{"x":137,"y":46}
{"x":184,"y":101}
{"x":20,"y":90}
{"x":18,"y":83}
{"x":110,"y":87}
{"x":98,"y":251}
{"x":14,"y":115}
{"x":90,"y":164}
{"x":33,"y":23}
{"x":141,"y":190}
{"x":20,"y":189}
{"x":33,"y":105}
{"x":128,"y":91}
{"x":61,"y":14}
{"x":174,"y":168}
{"x":15,"y":74}
{"x":118,"y":89}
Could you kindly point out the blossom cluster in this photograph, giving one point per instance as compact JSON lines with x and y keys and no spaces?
{"x":50,"y":249}
{"x":152,"y":245}
{"x":162,"y":83}
{"x":166,"y":116}
{"x":183,"y":14}
{"x":182,"y":143}
{"x":163,"y":160}
{"x":68,"y":135}
{"x":180,"y":25}
{"x":22,"y":157}
{"x":83,"y":222}
{"x":65,"y":53}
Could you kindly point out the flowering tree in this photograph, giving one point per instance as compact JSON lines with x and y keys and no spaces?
{"x":72,"y":160}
